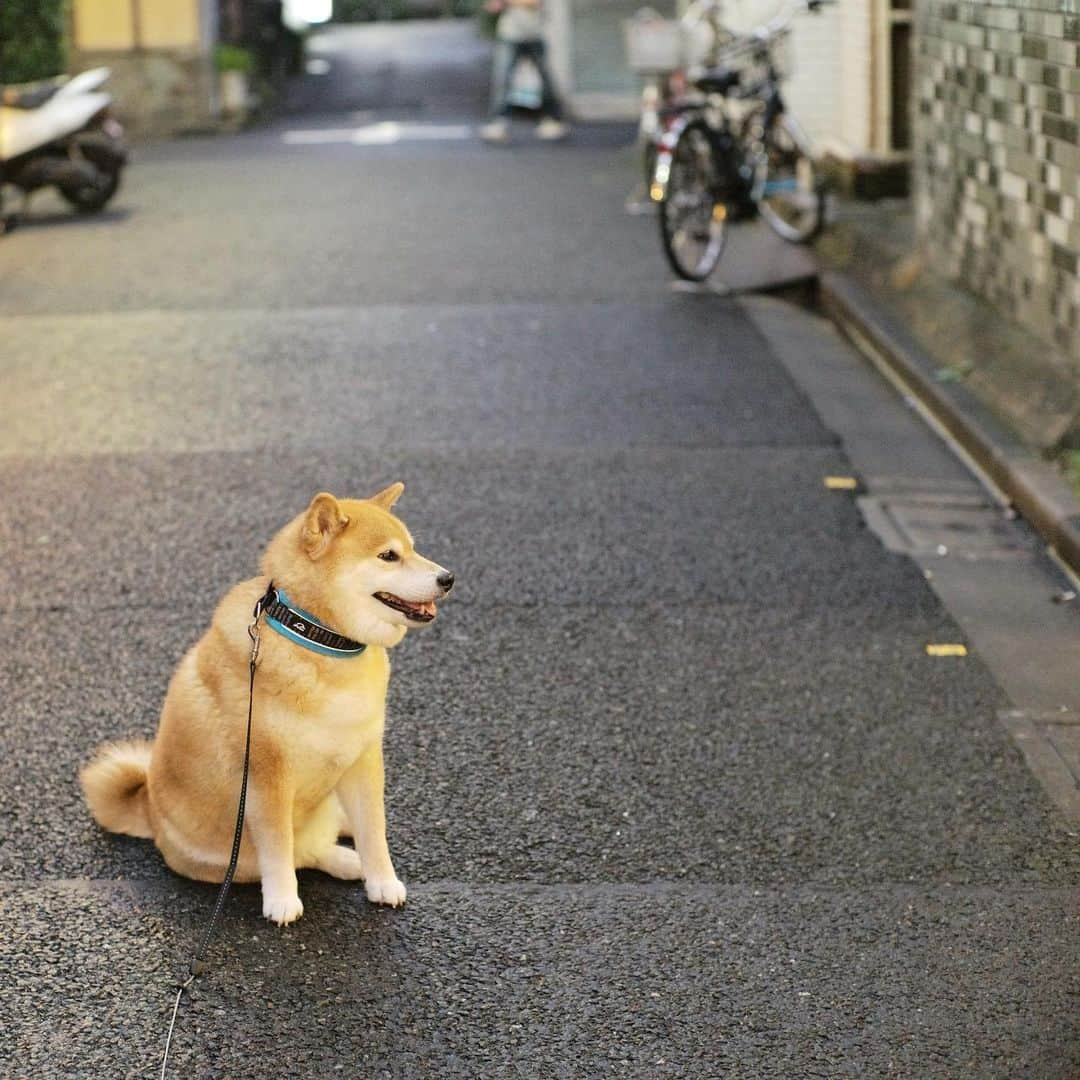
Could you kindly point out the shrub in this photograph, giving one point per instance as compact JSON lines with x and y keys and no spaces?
{"x":234,"y":58}
{"x":31,"y":39}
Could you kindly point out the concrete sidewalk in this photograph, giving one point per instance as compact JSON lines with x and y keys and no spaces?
{"x":675,"y":786}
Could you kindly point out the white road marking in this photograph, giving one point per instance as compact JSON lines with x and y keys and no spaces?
{"x":384,"y":133}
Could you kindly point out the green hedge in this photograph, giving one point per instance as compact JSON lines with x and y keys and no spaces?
{"x":31,"y":39}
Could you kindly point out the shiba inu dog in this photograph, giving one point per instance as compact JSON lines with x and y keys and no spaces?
{"x":342,"y":583}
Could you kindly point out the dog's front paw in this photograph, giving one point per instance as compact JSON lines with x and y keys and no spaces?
{"x":282,"y":909}
{"x":386,"y":891}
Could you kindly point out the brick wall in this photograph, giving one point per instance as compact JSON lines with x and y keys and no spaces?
{"x":997,"y":155}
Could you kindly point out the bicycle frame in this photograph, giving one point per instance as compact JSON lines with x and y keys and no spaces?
{"x":721,"y":141}
{"x":730,"y":151}
{"x":655,"y":92}
{"x":735,"y":182}
{"x":733,"y":153}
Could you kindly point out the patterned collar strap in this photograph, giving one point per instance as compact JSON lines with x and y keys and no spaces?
{"x":303,"y":628}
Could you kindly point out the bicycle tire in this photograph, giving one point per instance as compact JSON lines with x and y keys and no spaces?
{"x":691,"y":190}
{"x":788,"y":190}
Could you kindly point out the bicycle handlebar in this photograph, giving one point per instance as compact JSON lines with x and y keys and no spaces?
{"x":779,"y":23}
{"x":701,"y":11}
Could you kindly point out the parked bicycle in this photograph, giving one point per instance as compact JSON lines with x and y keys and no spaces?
{"x":663,"y":51}
{"x":734,"y":152}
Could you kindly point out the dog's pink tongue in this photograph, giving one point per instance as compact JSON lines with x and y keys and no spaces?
{"x":428,"y":607}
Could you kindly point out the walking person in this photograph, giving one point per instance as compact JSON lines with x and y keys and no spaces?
{"x":519,"y":36}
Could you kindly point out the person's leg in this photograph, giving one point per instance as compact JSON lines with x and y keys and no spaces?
{"x":514,"y":53}
{"x":507,"y":55}
{"x":550,"y":104}
{"x":551,"y":124}
{"x":500,"y":61}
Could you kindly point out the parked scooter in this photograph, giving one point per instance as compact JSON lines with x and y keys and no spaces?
{"x":60,"y":133}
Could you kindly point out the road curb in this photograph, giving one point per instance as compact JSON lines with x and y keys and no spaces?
{"x":1033,"y":486}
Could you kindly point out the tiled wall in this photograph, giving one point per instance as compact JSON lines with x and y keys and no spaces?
{"x":997,"y":155}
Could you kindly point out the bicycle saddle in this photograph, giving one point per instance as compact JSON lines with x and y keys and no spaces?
{"x":717,"y":81}
{"x":30,"y":95}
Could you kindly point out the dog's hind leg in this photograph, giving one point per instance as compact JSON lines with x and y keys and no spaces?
{"x":317,"y":847}
{"x":340,"y":862}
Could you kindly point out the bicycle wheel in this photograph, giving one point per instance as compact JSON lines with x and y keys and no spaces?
{"x":788,"y":189}
{"x":692,"y":219}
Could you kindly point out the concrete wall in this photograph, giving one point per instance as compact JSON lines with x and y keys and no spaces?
{"x":997,"y":156}
{"x":598,"y":52}
{"x":115,"y":25}
{"x":158,"y":92}
{"x":585,"y":40}
{"x":817,"y":48}
{"x":161,"y":56}
{"x":853,"y":120}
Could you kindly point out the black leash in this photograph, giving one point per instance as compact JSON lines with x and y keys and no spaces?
{"x":198,"y":962}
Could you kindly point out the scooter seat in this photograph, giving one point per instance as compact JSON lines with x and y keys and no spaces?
{"x":717,"y":80}
{"x":30,"y":95}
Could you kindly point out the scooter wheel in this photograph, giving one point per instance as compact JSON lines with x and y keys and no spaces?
{"x":89,"y":198}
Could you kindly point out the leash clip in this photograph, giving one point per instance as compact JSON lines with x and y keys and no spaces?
{"x":256,"y":615}
{"x":253,"y":633}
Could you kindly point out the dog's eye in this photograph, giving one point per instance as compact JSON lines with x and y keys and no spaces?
{"x":389,"y":556}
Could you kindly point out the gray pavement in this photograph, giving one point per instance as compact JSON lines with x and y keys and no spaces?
{"x":674,"y":785}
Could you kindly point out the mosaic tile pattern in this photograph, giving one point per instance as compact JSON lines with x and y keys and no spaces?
{"x":997,"y":155}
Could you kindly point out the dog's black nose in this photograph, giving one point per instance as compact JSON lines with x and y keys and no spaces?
{"x":445,"y":580}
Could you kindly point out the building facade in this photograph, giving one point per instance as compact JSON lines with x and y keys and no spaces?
{"x":161,"y":56}
{"x":850,"y":81}
{"x":972,"y":105}
{"x":997,"y":156}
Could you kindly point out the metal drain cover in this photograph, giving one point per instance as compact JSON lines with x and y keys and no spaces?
{"x":943,"y":525}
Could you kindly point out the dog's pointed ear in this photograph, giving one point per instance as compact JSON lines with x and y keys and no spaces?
{"x":388,"y":496}
{"x":322,"y":522}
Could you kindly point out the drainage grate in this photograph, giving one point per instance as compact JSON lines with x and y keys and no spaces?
{"x":934,"y":524}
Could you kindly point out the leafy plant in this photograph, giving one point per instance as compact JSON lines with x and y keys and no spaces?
{"x":234,"y":58}
{"x":1070,"y":462}
{"x":31,"y":39}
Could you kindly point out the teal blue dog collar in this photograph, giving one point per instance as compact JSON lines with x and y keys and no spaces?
{"x":302,"y":628}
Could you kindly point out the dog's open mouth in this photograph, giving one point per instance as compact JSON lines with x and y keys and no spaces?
{"x":423,"y":612}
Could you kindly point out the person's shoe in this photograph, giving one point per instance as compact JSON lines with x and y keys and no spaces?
{"x":551,"y":129}
{"x":496,"y":131}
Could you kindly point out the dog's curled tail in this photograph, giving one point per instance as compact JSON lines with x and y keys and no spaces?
{"x":115,"y":787}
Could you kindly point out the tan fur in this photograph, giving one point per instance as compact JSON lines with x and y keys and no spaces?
{"x":115,"y":786}
{"x":316,"y":746}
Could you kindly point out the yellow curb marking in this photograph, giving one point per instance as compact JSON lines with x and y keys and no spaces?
{"x":841,"y":483}
{"x":946,"y":650}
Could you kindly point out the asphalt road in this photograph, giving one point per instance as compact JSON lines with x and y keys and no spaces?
{"x":674,"y":786}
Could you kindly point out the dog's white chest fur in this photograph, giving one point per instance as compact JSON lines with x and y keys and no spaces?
{"x":321,"y":745}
